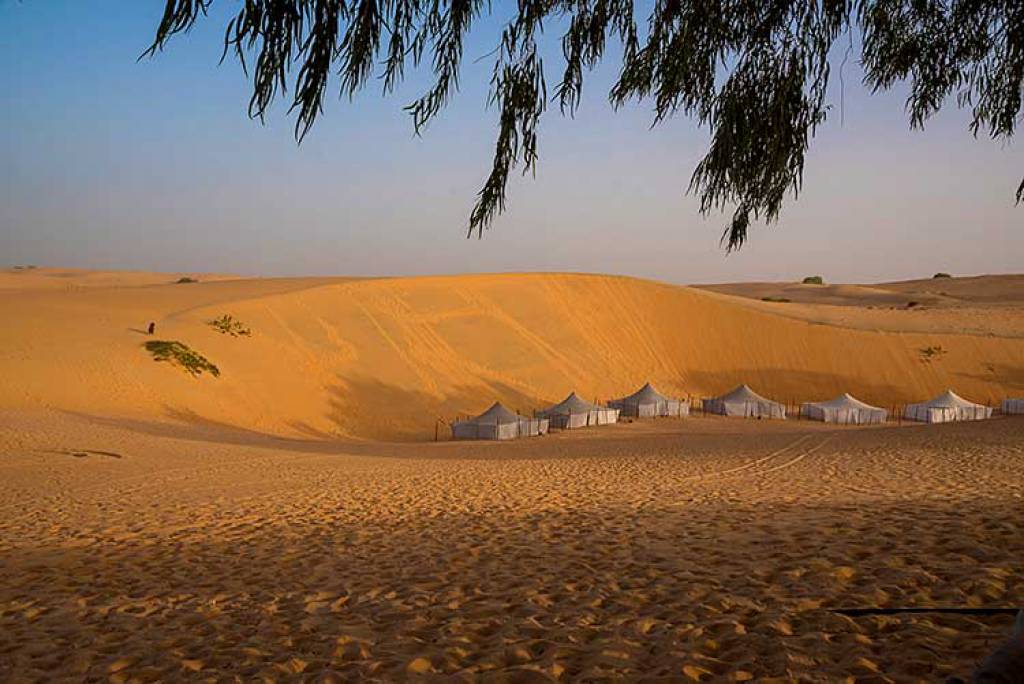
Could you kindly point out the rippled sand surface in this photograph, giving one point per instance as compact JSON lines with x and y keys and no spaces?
{"x":707,"y":549}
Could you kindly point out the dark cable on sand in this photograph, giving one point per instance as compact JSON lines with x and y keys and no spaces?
{"x":858,"y":612}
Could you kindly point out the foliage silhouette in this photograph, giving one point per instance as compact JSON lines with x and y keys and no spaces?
{"x":755,"y":73}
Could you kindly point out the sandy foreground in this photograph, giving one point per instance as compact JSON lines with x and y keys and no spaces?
{"x":671,"y":550}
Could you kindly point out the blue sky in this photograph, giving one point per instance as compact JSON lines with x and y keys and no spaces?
{"x":113,"y":163}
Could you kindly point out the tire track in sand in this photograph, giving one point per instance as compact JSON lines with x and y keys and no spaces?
{"x":749,"y":465}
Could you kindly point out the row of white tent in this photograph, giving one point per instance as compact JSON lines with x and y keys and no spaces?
{"x":499,"y":423}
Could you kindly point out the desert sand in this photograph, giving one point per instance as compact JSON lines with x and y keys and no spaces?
{"x":291,"y":519}
{"x":979,"y":305}
{"x":385,"y":359}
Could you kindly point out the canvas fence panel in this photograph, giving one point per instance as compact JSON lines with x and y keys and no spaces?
{"x":852,"y":416}
{"x":643,"y":410}
{"x":1012,"y":406}
{"x":764,"y":409}
{"x":814,"y":412}
{"x":531,"y":427}
{"x":569,"y":421}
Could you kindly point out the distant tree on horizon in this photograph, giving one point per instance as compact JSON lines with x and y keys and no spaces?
{"x":754,"y":72}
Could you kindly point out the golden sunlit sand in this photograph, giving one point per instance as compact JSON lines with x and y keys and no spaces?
{"x":385,"y":358}
{"x":291,"y":519}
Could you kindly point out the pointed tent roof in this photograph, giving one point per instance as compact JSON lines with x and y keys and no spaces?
{"x":845,"y":401}
{"x":743,"y":393}
{"x":570,"y":405}
{"x":646,"y":395}
{"x":497,"y":414}
{"x":948,"y":399}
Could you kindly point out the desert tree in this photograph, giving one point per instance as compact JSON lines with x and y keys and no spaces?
{"x":754,"y":72}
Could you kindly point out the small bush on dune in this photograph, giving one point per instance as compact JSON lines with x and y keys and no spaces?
{"x":185,"y":279}
{"x":814,"y":280}
{"x":775,"y":299}
{"x":942,"y":275}
{"x":179,"y":354}
{"x":227,"y":325}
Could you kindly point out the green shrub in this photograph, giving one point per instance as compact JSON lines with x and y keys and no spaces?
{"x":227,"y":325}
{"x":942,"y":275}
{"x":775,"y":299}
{"x":814,"y":280}
{"x":179,"y":354}
{"x":930,"y":353}
{"x":185,"y":279}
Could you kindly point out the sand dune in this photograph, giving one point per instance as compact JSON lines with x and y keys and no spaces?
{"x":973,"y":291}
{"x":23,"y":278}
{"x":384,"y":358}
{"x":831,"y":294}
{"x":980,"y":305}
{"x":988,"y":290}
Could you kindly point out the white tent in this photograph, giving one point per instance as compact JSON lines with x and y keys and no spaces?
{"x":844,"y":409}
{"x":945,"y":408}
{"x":1013,"y":405}
{"x":573,"y":412}
{"x":498,"y":422}
{"x":745,"y":402}
{"x":647,"y":402}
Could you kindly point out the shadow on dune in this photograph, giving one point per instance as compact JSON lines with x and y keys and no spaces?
{"x":601,"y":592}
{"x":190,"y":426}
{"x":376,"y":410}
{"x":371,"y":409}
